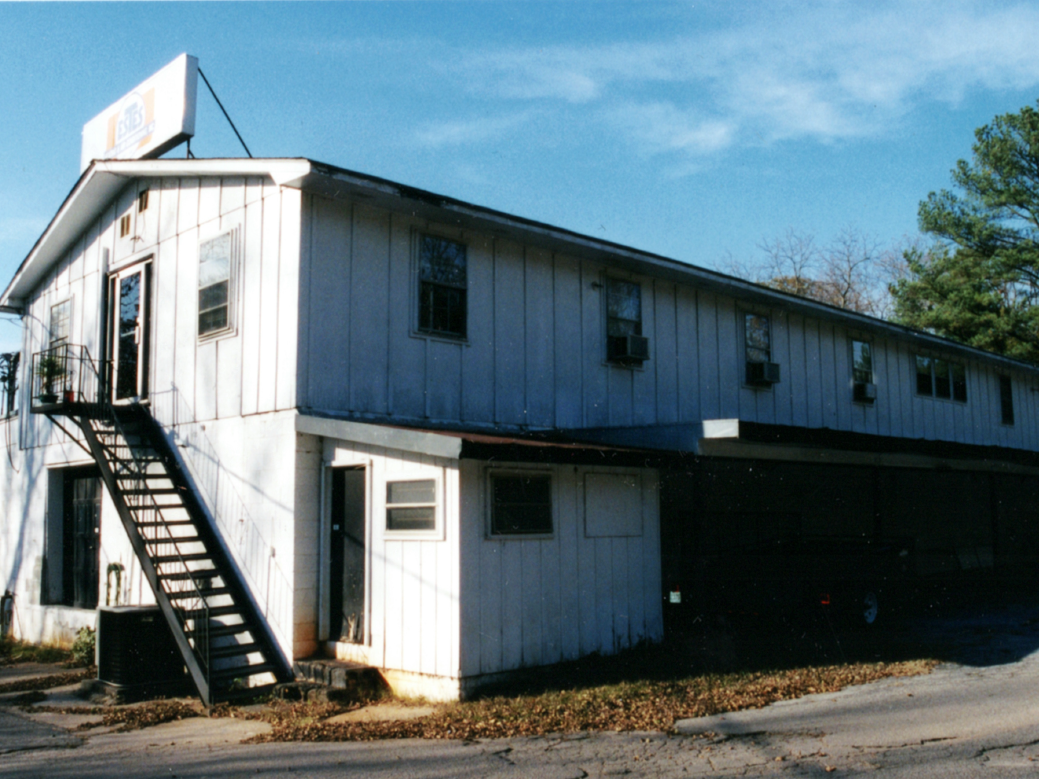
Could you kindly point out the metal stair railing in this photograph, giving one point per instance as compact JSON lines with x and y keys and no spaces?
{"x":68,"y":381}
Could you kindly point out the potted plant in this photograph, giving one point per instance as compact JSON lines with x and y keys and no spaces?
{"x":50,"y":370}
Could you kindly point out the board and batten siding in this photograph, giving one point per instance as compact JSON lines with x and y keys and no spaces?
{"x":534,"y":355}
{"x":413,"y":580}
{"x":251,"y":370}
{"x":593,"y":585}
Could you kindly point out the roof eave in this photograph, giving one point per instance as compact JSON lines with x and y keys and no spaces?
{"x":101,"y":182}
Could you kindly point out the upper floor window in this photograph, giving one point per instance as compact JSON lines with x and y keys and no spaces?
{"x":624,"y":341}
{"x":1006,"y":400}
{"x":442,"y":287}
{"x":757,"y":350}
{"x":142,"y":201}
{"x":214,"y":285}
{"x":61,"y":315}
{"x":863,"y":388}
{"x":940,"y":378}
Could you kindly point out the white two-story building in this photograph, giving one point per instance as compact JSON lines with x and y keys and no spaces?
{"x":445,"y":441}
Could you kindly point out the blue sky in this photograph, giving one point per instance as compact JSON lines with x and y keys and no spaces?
{"x":694,"y":130}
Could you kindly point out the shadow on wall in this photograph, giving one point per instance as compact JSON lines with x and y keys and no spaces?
{"x":218,"y":488}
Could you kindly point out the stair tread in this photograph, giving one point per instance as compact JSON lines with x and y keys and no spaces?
{"x":233,"y":650}
{"x":241,"y":671}
{"x":225,"y":630}
{"x":192,"y":556}
{"x":208,"y":573}
{"x":210,"y":593}
{"x":214,"y":611}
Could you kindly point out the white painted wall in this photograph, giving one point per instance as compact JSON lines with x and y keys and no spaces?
{"x":413,"y":584}
{"x":535,"y":353}
{"x":217,"y":395}
{"x":535,"y":601}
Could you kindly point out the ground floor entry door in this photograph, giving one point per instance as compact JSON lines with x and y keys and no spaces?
{"x":81,"y":533}
{"x":348,"y":557}
{"x":129,"y":312}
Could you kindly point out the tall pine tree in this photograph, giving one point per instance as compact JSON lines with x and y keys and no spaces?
{"x":980,"y":282}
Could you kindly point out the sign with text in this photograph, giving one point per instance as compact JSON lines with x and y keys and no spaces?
{"x":155,"y":116}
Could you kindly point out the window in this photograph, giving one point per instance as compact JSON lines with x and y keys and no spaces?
{"x":757,"y":338}
{"x":941,"y":379}
{"x":124,"y":226}
{"x":61,"y":314}
{"x":442,"y":287}
{"x":411,"y":505}
{"x":142,"y":201}
{"x":757,"y":348}
{"x":521,"y":504}
{"x":1006,"y":400}
{"x":214,"y":285}
{"x":863,"y":390}
{"x":623,"y":317}
{"x":9,"y":382}
{"x":73,"y":531}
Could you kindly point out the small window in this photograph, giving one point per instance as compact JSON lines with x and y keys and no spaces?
{"x":940,"y":378}
{"x":924,"y":385}
{"x":124,"y":226}
{"x":214,"y":285}
{"x":623,"y":316}
{"x":757,"y":338}
{"x":861,"y":362}
{"x":142,"y":201}
{"x":521,"y":504}
{"x":442,"y":287}
{"x":411,"y":505}
{"x":61,"y":314}
{"x":9,"y":382}
{"x":1006,"y":400}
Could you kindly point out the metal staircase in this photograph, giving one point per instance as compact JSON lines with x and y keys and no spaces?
{"x":226,"y":643}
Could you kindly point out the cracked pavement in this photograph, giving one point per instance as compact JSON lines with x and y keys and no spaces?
{"x":978,"y":717}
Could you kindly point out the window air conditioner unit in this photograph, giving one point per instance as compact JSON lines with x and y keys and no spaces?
{"x":629,"y":348}
{"x":864,"y":392}
{"x":762,"y":373}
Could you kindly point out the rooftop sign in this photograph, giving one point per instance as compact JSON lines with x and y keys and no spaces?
{"x":155,"y":116}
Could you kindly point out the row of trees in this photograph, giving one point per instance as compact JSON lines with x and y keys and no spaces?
{"x":976,"y":282}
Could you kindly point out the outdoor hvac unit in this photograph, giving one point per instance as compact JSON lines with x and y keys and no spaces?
{"x":136,"y":652}
{"x":762,"y":374}
{"x":864,"y":392}
{"x":629,"y":348}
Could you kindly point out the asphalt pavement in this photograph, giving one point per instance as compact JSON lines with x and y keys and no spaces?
{"x":978,"y":716}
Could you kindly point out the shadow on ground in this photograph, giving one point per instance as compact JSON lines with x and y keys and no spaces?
{"x":975,"y":623}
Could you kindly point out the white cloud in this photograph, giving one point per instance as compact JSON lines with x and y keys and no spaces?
{"x":458,"y":132}
{"x":827,"y":71}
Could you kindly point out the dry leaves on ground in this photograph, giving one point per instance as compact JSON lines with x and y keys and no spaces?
{"x":621,"y":707}
{"x":46,"y":682}
{"x":128,"y":718}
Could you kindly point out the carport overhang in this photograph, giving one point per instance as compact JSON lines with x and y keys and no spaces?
{"x":739,"y":439}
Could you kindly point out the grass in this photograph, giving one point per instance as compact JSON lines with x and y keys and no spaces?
{"x":15,"y":651}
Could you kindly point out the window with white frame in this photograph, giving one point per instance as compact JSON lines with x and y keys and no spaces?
{"x":61,"y":317}
{"x":520,"y":503}
{"x":442,"y":287}
{"x":623,"y":319}
{"x":411,"y":505}
{"x":215,"y":272}
{"x":939,"y":378}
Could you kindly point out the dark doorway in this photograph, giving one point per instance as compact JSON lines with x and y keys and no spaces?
{"x":347,"y":561}
{"x":81,"y":536}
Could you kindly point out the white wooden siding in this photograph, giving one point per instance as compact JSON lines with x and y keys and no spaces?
{"x":534,"y":354}
{"x":535,"y":601}
{"x":413,"y":581}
